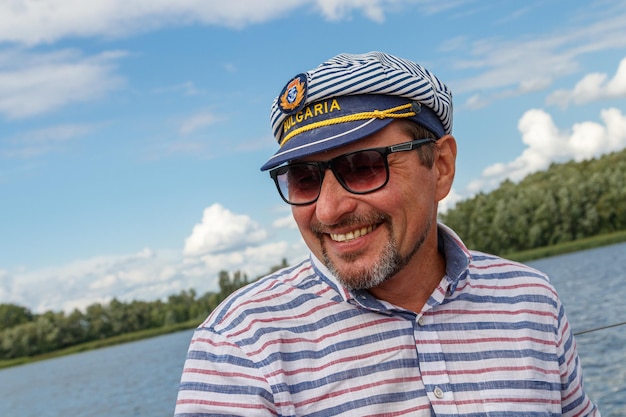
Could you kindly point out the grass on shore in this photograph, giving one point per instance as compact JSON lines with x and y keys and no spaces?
{"x":97,"y":344}
{"x":523,"y":256}
{"x":568,"y":247}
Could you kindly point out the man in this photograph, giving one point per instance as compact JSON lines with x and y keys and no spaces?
{"x":391,"y":315}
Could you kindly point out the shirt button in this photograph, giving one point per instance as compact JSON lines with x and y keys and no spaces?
{"x":420,"y":321}
{"x":438,"y":392}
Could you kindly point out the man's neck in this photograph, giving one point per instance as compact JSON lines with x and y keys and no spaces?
{"x":412,"y":287}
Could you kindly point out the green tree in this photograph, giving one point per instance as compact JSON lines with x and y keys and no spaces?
{"x":100,"y":322}
{"x":568,"y":201}
{"x":12,"y":315}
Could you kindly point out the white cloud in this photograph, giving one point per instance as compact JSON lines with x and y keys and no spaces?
{"x":42,"y":141}
{"x":545,"y":144}
{"x":221,"y":230}
{"x":512,"y":67}
{"x":501,"y":68}
{"x":253,"y":260}
{"x":449,"y":201}
{"x":5,"y":284}
{"x":339,"y":9}
{"x":476,"y":101}
{"x":593,"y":87}
{"x":186,"y":144}
{"x":223,"y":241}
{"x":36,"y":83}
{"x":198,"y":148}
{"x":529,"y":85}
{"x":286,"y":222}
{"x":230,"y":67}
{"x":187,"y":88}
{"x":32,"y":22}
{"x":196,"y":122}
{"x":83,"y":282}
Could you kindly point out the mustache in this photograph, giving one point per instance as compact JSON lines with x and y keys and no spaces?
{"x":351,"y":220}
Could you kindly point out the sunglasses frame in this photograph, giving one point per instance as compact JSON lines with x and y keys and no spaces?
{"x":322,"y":166}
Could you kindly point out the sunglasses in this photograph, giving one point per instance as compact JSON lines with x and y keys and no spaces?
{"x":359,"y":172}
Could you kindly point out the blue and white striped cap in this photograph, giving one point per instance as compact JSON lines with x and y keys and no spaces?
{"x":352,"y":96}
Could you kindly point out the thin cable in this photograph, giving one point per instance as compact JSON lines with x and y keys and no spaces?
{"x":600,"y":328}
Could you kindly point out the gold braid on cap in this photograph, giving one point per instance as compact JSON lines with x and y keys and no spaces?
{"x":376,"y":114}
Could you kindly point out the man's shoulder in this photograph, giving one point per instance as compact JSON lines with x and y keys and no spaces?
{"x":267,"y":299}
{"x":484,"y":266}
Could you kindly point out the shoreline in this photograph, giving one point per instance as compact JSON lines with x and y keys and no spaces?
{"x":522,"y":256}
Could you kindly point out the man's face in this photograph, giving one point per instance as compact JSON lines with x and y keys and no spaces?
{"x":369,"y":238}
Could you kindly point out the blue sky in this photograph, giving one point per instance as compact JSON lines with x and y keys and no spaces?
{"x":132,"y":132}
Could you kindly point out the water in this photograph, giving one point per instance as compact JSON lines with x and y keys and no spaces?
{"x":141,"y":378}
{"x":134,"y":379}
{"x":592,"y":286}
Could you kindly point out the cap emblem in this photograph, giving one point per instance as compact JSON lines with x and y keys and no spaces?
{"x":293,"y":96}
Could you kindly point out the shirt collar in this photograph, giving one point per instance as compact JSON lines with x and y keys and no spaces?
{"x":458,"y":257}
{"x":329,"y":278}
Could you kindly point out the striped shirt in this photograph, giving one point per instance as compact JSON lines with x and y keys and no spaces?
{"x":492,"y":340}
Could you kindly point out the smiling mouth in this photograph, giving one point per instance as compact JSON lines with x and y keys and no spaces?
{"x":355,"y":234}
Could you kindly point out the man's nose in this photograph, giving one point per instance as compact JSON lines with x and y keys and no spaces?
{"x":334,"y":201}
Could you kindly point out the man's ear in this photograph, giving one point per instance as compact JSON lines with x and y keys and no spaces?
{"x":445,"y":164}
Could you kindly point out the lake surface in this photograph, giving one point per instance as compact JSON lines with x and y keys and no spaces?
{"x":592,"y":286}
{"x":134,"y":379}
{"x":141,"y":378}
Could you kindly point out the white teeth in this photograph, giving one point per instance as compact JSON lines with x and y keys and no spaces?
{"x":343,"y":237}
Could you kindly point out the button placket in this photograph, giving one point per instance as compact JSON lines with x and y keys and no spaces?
{"x":432,"y":365}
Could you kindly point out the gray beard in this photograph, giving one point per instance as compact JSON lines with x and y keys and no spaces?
{"x":389,"y":264}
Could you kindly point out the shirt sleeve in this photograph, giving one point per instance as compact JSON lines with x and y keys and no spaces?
{"x":574,"y":400}
{"x":219,"y":379}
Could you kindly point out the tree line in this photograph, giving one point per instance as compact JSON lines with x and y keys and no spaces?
{"x":24,"y":333}
{"x":568,"y":201}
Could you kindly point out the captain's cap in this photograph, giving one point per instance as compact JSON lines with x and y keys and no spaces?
{"x":352,"y":96}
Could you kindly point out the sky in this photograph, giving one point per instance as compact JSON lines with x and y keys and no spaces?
{"x":132,"y":132}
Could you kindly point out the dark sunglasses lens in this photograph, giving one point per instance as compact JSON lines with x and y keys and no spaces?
{"x":362,"y":171}
{"x":300,"y":183}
